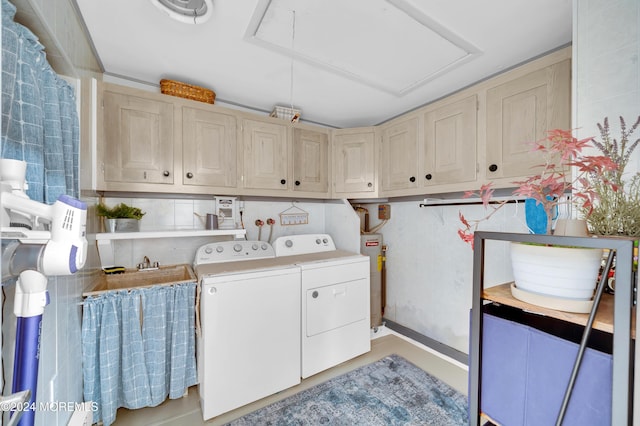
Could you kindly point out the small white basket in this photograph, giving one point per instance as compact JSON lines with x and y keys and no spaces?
{"x":286,"y":113}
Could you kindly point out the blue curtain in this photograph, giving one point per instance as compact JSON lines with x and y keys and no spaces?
{"x":39,"y":117}
{"x":126,"y":364}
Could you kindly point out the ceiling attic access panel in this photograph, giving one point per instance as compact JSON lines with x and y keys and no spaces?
{"x":358,"y":39}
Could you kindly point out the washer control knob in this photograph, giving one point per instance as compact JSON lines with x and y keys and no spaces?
{"x":324,"y":240}
{"x":318,"y":241}
{"x":219,"y":249}
{"x":314,"y":294}
{"x":237,"y":248}
{"x":264,"y":246}
{"x":212,"y":290}
{"x":208,"y":250}
{"x":288,"y":243}
{"x":254,"y":246}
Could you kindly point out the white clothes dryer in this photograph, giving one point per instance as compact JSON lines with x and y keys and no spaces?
{"x":249,"y":345}
{"x":335,"y":300}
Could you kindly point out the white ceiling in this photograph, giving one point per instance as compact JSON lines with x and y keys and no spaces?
{"x":344,"y":63}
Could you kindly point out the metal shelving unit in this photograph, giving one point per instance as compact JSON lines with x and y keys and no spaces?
{"x":622,"y":408}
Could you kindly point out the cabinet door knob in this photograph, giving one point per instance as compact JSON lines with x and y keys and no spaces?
{"x":369,"y":185}
{"x":283,"y":181}
{"x":493,"y":167}
{"x":166,"y":173}
{"x":297,"y":183}
{"x":412,"y":179}
{"x":189,"y":175}
{"x":428,"y":176}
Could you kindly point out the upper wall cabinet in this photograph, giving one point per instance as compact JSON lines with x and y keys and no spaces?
{"x":450,"y":138}
{"x":354,"y":163}
{"x":431,"y":150}
{"x":266,"y":155}
{"x":399,"y":156}
{"x":208,"y":148}
{"x":310,"y":161}
{"x":523,"y":110}
{"x":137,"y":141}
{"x":151,"y":142}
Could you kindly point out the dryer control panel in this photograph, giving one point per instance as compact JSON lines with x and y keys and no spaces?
{"x":303,"y":244}
{"x":230,"y":251}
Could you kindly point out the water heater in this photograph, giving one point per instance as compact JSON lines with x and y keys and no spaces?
{"x":371,"y":245}
{"x":226,"y":209}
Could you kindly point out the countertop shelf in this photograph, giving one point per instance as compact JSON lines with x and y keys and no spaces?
{"x":107,"y":236}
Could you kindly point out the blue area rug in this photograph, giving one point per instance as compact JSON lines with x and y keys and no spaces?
{"x":391,"y":391}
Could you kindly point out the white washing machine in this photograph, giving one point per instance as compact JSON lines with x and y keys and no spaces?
{"x":249,"y":345}
{"x":335,"y":300}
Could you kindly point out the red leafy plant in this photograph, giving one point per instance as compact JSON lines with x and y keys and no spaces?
{"x":561,"y":151}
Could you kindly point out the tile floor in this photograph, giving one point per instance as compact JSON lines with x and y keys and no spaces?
{"x":186,"y":410}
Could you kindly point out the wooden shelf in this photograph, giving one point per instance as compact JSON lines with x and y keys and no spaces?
{"x":604,"y":316}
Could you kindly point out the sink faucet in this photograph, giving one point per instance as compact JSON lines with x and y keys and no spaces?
{"x":146,"y":264}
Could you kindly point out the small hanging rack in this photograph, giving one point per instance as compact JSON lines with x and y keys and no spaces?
{"x":294,"y":215}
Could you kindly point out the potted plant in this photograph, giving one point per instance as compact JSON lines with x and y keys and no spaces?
{"x":536,"y":270}
{"x":121,"y":218}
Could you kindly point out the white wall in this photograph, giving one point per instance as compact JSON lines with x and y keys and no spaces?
{"x":429,"y":268}
{"x":606,"y":74}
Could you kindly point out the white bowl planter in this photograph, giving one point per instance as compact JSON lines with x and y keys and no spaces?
{"x":565,"y":272}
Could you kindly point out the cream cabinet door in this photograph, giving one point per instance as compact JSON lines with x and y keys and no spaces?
{"x":354,"y":162}
{"x":450,"y":136}
{"x":310,"y":161}
{"x":399,"y":159}
{"x":208,"y":148}
{"x":521,"y":111}
{"x":137,"y":139}
{"x":265,"y":155}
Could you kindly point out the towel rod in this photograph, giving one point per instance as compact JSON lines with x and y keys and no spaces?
{"x":467,"y":203}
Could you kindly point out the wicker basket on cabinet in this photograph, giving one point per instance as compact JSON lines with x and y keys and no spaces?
{"x":187,"y":91}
